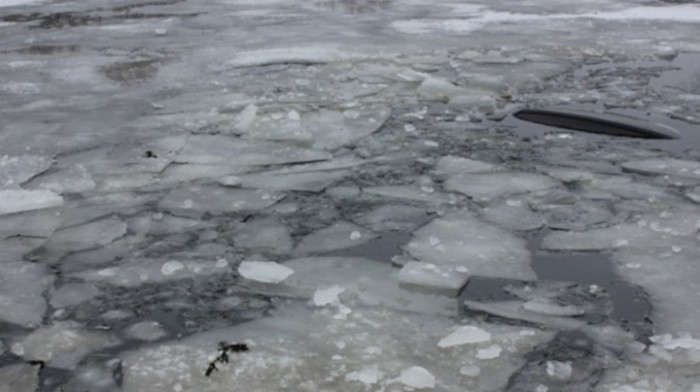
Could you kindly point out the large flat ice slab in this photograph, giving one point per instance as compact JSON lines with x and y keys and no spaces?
{"x":22,"y":286}
{"x":460,"y":239}
{"x":16,"y":170}
{"x":340,"y":235}
{"x":217,"y":200}
{"x":429,"y":278}
{"x":19,"y":200}
{"x":218,"y":149}
{"x":668,"y":166}
{"x":489,"y":186}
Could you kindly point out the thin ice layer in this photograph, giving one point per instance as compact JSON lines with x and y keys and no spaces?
{"x":22,"y":286}
{"x":461,"y":239}
{"x":217,"y":200}
{"x":303,"y":349}
{"x":493,"y":185}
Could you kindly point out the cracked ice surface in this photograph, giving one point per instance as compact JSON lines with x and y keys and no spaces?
{"x":165,"y":165}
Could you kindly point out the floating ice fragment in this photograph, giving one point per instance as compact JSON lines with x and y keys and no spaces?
{"x":171,"y":267}
{"x":457,"y":165}
{"x":417,"y":377}
{"x":87,"y":236}
{"x":470,"y":371}
{"x":547,"y":307}
{"x":560,"y":371}
{"x":668,"y":166}
{"x":72,"y":294}
{"x":327,"y":296}
{"x":466,"y":334}
{"x":337,"y":236}
{"x":264,"y":271}
{"x":16,"y":170}
{"x":19,"y":200}
{"x":445,"y":280}
{"x":146,"y":330}
{"x":217,"y":200}
{"x":490,"y":352}
{"x":436,"y":89}
{"x":19,"y":377}
{"x":493,"y":185}
{"x":368,"y":375}
{"x":22,"y":285}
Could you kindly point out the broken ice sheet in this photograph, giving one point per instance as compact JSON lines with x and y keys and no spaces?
{"x":218,"y":149}
{"x":429,"y":278}
{"x":264,"y":271}
{"x":216,"y":200}
{"x":63,"y":344}
{"x":460,"y":239}
{"x":340,"y":235}
{"x":309,"y":181}
{"x":304,"y":349}
{"x":668,"y":166}
{"x":22,"y":286}
{"x":493,"y":185}
{"x":73,"y":179}
{"x":20,"y":200}
{"x":323,"y":129}
{"x":267,"y":234}
{"x":19,"y":378}
{"x":139,"y":272}
{"x":88,"y":236}
{"x":515,"y":217}
{"x":15,"y":170}
{"x":410,"y":192}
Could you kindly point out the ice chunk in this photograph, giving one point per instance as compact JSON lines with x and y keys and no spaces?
{"x":36,"y":223}
{"x":368,"y":375}
{"x":493,"y":185}
{"x":340,"y":235}
{"x":436,"y":89}
{"x":513,"y":217}
{"x":466,"y":334}
{"x":551,"y":308}
{"x":72,"y":294}
{"x":668,"y":166}
{"x":462,"y":240}
{"x":63,"y":344}
{"x":560,"y":371}
{"x":217,"y":200}
{"x":393,"y":217}
{"x":445,"y":280}
{"x":74,"y":179}
{"x":310,"y":181}
{"x":16,"y":170}
{"x":146,"y":330}
{"x":327,"y":296}
{"x":326,"y":129}
{"x":19,"y":200}
{"x":457,"y":165}
{"x":138,"y":272}
{"x":263,"y":234}
{"x":264,"y":271}
{"x":88,"y":236}
{"x":159,"y":224}
{"x":20,"y":377}
{"x":207,"y":149}
{"x":21,"y":293}
{"x":491,"y":352}
{"x":365,"y":282}
{"x":409,"y":192}
{"x":417,"y":377}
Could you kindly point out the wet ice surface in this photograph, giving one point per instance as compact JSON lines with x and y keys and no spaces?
{"x":319,"y":180}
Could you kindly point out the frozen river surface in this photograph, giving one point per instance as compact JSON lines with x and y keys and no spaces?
{"x":313,"y":183}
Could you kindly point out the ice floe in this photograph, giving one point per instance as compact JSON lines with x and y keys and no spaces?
{"x":460,"y":239}
{"x":22,"y":292}
{"x":217,"y":200}
{"x":340,"y":235}
{"x":429,"y":278}
{"x":264,"y":271}
{"x":494,"y":185}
